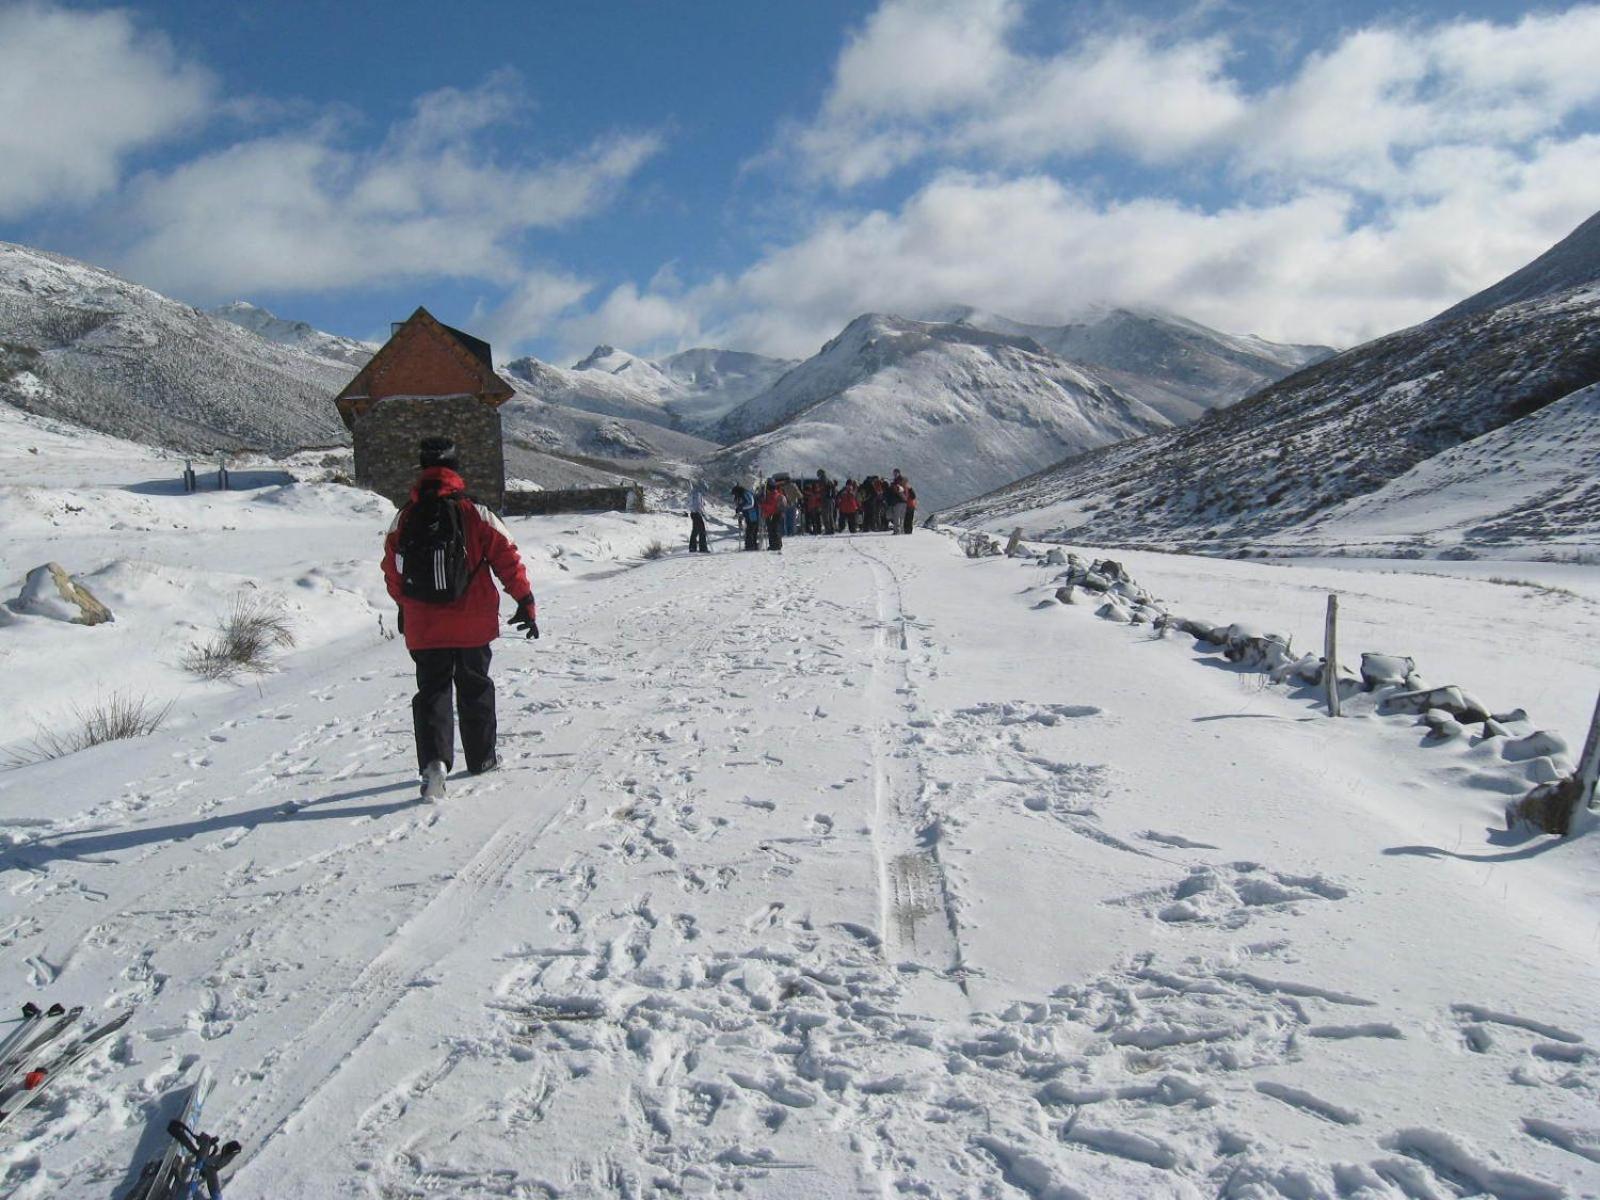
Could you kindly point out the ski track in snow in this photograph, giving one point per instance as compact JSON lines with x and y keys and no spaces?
{"x":733,"y":919}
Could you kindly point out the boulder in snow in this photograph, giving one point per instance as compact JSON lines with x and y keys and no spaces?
{"x":1541,"y":743}
{"x":1461,"y":705}
{"x":1442,"y":727}
{"x":1386,"y":670}
{"x":1112,"y":610}
{"x":49,"y":591}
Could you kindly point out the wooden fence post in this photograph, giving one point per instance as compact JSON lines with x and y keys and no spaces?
{"x":1589,"y":764}
{"x":1330,"y":661}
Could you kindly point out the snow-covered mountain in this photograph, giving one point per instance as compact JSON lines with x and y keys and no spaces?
{"x":556,"y":444}
{"x":691,"y":390}
{"x":709,"y":384}
{"x":1268,"y":467}
{"x":1572,"y":262}
{"x":959,"y":409}
{"x":79,"y":344}
{"x":1180,"y":368}
{"x":588,"y":391}
{"x":298,"y":334}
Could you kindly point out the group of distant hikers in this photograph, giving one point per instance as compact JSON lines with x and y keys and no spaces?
{"x":783,"y":507}
{"x":449,"y":611}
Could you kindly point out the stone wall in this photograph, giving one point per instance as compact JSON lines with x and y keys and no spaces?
{"x":562,"y":500}
{"x":387,"y":436}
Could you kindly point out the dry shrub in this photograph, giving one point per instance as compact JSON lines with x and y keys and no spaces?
{"x":121,"y":716}
{"x":252,"y":628}
{"x":655,"y":550}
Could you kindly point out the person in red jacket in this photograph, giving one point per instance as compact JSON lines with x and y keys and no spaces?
{"x":773,"y":503}
{"x":849,"y":504}
{"x":449,"y":639}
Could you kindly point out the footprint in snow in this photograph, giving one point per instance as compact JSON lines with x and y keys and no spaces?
{"x":1233,"y":894}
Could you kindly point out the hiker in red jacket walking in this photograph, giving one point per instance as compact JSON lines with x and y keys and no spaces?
{"x":433,"y":560}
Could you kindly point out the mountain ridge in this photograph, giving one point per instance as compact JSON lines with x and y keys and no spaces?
{"x":1263,"y":470}
{"x":957,"y":408}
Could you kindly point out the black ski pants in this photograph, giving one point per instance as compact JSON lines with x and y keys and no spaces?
{"x":775,"y":532}
{"x":697,"y":534}
{"x":467,"y":671}
{"x":752,"y":534}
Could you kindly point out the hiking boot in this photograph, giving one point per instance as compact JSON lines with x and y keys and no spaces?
{"x":492,"y":763}
{"x":433,"y":780}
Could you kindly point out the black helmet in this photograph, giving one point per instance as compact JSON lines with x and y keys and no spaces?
{"x":437,"y":452}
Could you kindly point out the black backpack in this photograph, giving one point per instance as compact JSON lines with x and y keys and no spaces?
{"x":433,"y":549}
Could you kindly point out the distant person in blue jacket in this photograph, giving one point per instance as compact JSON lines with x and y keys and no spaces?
{"x":744,"y":504}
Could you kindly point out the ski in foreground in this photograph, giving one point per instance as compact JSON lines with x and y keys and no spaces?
{"x":191,"y":1161}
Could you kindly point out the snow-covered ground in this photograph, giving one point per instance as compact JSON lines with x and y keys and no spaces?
{"x":840,"y":872}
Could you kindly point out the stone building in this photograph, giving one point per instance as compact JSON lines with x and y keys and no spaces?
{"x":427,"y":380}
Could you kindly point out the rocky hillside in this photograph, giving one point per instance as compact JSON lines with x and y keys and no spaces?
{"x":81,"y":345}
{"x":959,"y":409}
{"x":1180,"y":368}
{"x":1269,"y":466}
{"x":298,"y":334}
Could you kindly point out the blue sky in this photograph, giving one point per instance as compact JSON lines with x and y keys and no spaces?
{"x":753,"y":174}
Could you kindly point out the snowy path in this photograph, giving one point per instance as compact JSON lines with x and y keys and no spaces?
{"x":835,"y":873}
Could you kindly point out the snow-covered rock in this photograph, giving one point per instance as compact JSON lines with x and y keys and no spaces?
{"x":50,"y":591}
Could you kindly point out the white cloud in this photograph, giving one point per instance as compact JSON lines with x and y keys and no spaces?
{"x":918,"y":59}
{"x":1303,"y":268}
{"x":306,"y":210}
{"x":903,"y":92}
{"x":648,"y":320}
{"x":1381,"y":179}
{"x":79,"y":92}
{"x":530,"y":309}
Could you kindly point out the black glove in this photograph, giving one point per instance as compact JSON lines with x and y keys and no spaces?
{"x":400,"y":618}
{"x":525,"y":617}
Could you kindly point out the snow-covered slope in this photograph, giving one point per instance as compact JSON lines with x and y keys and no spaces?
{"x":555,"y":444}
{"x":589,"y":391}
{"x":1530,"y":486}
{"x":1263,"y":469}
{"x":1178,"y":367}
{"x":298,"y":334}
{"x":79,"y":344}
{"x":848,"y":871}
{"x":708,"y":384}
{"x":959,"y":409}
{"x":691,"y":390}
